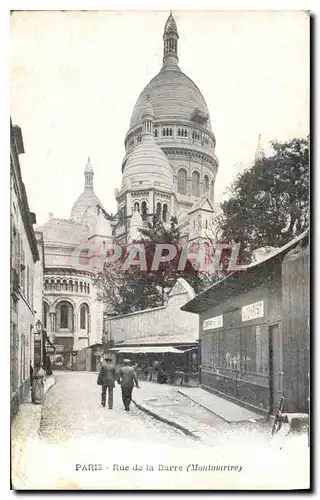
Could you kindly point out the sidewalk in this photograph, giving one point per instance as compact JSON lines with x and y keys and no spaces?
{"x":24,"y":429}
{"x":225,"y":409}
{"x":170,"y":405}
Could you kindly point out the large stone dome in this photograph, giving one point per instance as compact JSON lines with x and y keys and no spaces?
{"x":173,"y":95}
{"x":87,"y":201}
{"x":147,"y":164}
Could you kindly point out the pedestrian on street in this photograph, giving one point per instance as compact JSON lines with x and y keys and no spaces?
{"x":127,"y":378}
{"x":106,"y":379}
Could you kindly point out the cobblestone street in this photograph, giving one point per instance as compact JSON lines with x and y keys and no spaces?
{"x":72,"y":409}
{"x":82,"y":445}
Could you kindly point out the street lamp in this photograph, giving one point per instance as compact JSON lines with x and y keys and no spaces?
{"x":40,"y":337}
{"x":39,"y":326}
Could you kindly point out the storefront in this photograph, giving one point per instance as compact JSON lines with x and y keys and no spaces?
{"x":241,"y":323}
{"x":162,"y":363}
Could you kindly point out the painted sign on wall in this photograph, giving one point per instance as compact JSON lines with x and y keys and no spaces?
{"x":253,"y":311}
{"x":212,"y":323}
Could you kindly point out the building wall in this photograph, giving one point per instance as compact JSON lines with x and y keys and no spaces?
{"x":23,"y":256}
{"x":296,"y":330}
{"x":160,"y":321}
{"x":235,"y":355}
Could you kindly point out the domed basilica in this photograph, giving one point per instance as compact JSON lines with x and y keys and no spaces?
{"x":169,"y":169}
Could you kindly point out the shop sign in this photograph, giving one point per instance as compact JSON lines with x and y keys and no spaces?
{"x":212,"y":323}
{"x":252,"y":311}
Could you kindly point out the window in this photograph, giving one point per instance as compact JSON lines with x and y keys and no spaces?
{"x":158,"y":213}
{"x":156,"y":132}
{"x":46,"y":285}
{"x":84,"y":317}
{"x":70,"y":286}
{"x":64,"y":285}
{"x":136,"y":207}
{"x":144,"y":209}
{"x":76,"y":286}
{"x":58,"y":286}
{"x":81,"y":287}
{"x":165,"y":212}
{"x":64,"y":323}
{"x":182,"y":181}
{"x":196,"y":184}
{"x":206,"y":184}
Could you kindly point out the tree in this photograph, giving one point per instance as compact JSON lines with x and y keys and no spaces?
{"x":168,"y":272}
{"x":134,"y":289}
{"x":269,"y":203}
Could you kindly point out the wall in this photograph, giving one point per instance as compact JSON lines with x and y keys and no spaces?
{"x":160,"y":321}
{"x":22,"y":262}
{"x":296,"y":330}
{"x":235,"y":356}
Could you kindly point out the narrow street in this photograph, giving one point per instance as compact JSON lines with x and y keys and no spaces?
{"x":82,"y":445}
{"x":72,"y":410}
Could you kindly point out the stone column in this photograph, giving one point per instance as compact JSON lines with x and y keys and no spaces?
{"x":189,"y":185}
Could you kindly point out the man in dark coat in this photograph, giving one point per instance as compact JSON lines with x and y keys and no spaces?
{"x":106,"y":379}
{"x":127,"y":378}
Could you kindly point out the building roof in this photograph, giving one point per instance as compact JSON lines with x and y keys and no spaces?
{"x":148,"y":161}
{"x":63,"y":231}
{"x":87,"y":200}
{"x":173,"y":95}
{"x":229,"y":285}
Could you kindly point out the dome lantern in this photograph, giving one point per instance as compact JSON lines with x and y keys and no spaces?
{"x":147,"y":118}
{"x":170,"y":42}
{"x":88,"y":176}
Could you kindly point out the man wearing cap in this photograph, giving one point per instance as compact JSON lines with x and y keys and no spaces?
{"x":106,"y":379}
{"x":127,"y":378}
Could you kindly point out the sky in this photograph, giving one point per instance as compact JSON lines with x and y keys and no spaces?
{"x":75,"y":77}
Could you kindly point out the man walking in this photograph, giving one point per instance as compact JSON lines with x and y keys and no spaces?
{"x":106,"y":379}
{"x":127,"y":379}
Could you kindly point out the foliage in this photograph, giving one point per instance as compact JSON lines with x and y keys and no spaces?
{"x":269,"y":203}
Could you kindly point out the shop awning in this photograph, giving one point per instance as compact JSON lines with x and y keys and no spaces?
{"x":145,"y":350}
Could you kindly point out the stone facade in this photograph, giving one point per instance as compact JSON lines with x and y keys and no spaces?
{"x":24,"y":254}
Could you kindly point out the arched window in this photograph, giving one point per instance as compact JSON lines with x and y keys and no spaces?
{"x":182,"y":181}
{"x":206,"y":184}
{"x":45,"y":313}
{"x":196,"y":184}
{"x":158,"y":213}
{"x":185,"y":132}
{"x":64,"y":317}
{"x":88,"y":289}
{"x":165,"y":212}
{"x":58,"y":286}
{"x":164,"y":132}
{"x":170,"y":132}
{"x":76,"y":286}
{"x":52,"y":285}
{"x":156,"y":132}
{"x":136,"y":207}
{"x":167,"y":131}
{"x":46,"y":285}
{"x":70,"y":286}
{"x":144,"y":209}
{"x":179,"y":132}
{"x":64,"y":314}
{"x":84,"y":311}
{"x":81,"y":287}
{"x":206,"y":224}
{"x":64,"y":285}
